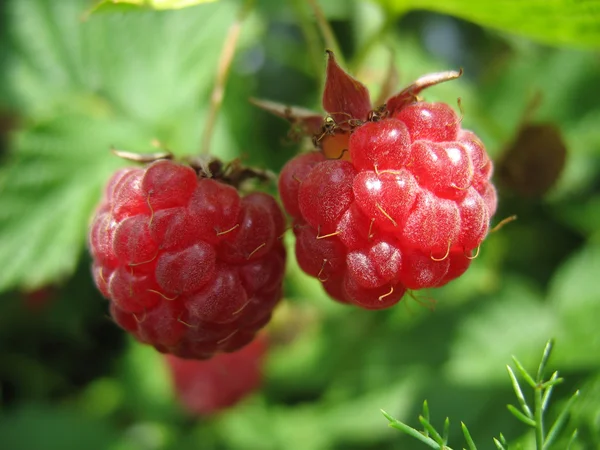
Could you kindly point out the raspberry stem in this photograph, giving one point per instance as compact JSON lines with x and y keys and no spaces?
{"x":312,"y":38}
{"x":326,"y":31}
{"x":223,"y":67}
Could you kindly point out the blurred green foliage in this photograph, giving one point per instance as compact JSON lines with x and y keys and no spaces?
{"x":72,"y":88}
{"x":135,"y":5}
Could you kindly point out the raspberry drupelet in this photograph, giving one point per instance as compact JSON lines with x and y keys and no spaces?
{"x":188,"y":265}
{"x":395,"y":198}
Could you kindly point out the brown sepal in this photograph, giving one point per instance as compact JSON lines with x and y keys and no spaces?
{"x":344,"y":97}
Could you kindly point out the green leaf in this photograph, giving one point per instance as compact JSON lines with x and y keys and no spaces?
{"x":498,"y":444}
{"x":47,"y":192}
{"x":555,"y":22}
{"x":559,"y":424}
{"x":548,"y":387}
{"x":145,"y":377}
{"x":574,"y":295}
{"x":82,"y":88}
{"x":318,"y":425}
{"x":524,"y":372}
{"x":446,"y":433}
{"x":572,"y":440}
{"x":48,"y":427}
{"x":430,"y":429}
{"x":519,"y":393}
{"x":518,"y":315}
{"x":394,"y":423}
{"x":544,"y":361}
{"x":585,"y":410}
{"x":467,"y":435}
{"x":136,"y":5}
{"x":519,"y":415}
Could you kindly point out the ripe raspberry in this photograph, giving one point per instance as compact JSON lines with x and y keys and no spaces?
{"x":398,"y":197}
{"x":188,"y":266}
{"x":40,"y":299}
{"x":206,"y":387}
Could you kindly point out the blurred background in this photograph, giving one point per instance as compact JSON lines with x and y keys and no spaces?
{"x":73,"y":84}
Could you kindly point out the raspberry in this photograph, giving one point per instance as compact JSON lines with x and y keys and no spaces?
{"x":188,"y":265}
{"x":206,"y":387}
{"x":40,"y":299}
{"x":398,"y":197}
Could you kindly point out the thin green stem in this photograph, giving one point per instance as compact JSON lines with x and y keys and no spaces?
{"x":327,"y":32}
{"x":446,"y":433}
{"x":545,"y":357}
{"x":558,"y":425}
{"x":548,"y":388}
{"x":467,"y":436}
{"x":394,"y":423}
{"x":519,"y":392}
{"x":224,"y":65}
{"x":430,"y":429}
{"x":572,"y":440}
{"x":426,"y":414}
{"x":533,"y":383}
{"x":520,"y":416}
{"x":499,"y":445}
{"x":539,"y":418}
{"x":312,"y":38}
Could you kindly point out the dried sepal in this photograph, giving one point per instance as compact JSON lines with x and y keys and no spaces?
{"x":410,"y":93}
{"x":309,"y":122}
{"x":141,"y":157}
{"x":233,"y":173}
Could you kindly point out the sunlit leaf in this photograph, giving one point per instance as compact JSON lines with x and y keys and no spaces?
{"x":514,"y":322}
{"x":84,"y":87}
{"x":136,"y":5}
{"x":560,"y":22}
{"x":147,"y":382}
{"x":577,"y":302}
{"x":47,"y":192}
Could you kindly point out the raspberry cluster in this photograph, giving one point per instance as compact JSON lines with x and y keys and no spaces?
{"x":206,"y":387}
{"x":397,"y":198}
{"x":188,"y":265}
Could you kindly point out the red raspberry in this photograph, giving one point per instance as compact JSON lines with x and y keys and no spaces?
{"x":398,"y":198}
{"x":40,"y":299}
{"x":188,"y":266}
{"x":205,"y":387}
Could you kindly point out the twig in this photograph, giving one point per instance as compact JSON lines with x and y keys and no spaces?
{"x":225,"y":60}
{"x":326,"y":31}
